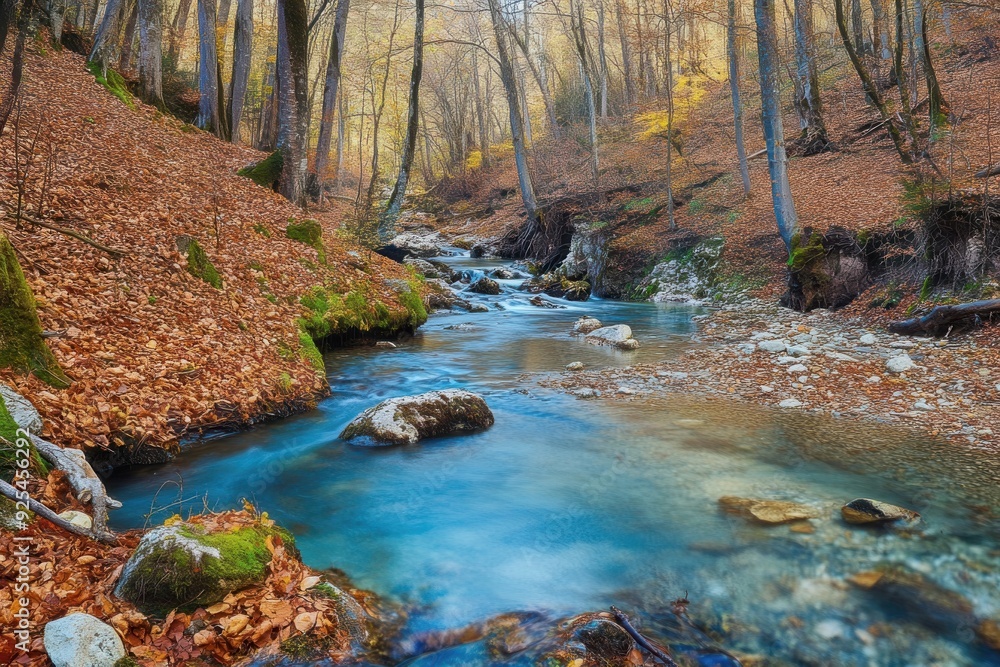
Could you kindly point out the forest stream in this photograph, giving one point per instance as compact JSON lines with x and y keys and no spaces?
{"x":570,"y":505}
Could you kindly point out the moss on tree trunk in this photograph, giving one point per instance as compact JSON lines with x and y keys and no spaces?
{"x":22,"y":347}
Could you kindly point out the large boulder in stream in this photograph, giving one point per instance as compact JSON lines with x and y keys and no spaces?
{"x":194,"y":563}
{"x":586,"y":324}
{"x":409,"y":419}
{"x":866,"y":510}
{"x":485,"y":286}
{"x":618,"y":335}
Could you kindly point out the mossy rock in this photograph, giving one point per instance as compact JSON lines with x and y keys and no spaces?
{"x":359,"y":311}
{"x":309,"y":232}
{"x":184,"y":566}
{"x":200,"y":266}
{"x":266,"y":172}
{"x":22,"y":347}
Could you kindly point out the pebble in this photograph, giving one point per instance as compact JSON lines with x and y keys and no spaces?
{"x":798,"y":368}
{"x":790,"y":403}
{"x":765,"y":389}
{"x":798,"y":350}
{"x":867,"y":339}
{"x":771,"y":346}
{"x":575,"y":366}
{"x":923,"y":405}
{"x":900,"y":364}
{"x":874,"y":379}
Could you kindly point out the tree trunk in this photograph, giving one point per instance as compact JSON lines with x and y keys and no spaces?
{"x":868,"y":84}
{"x":807,"y":100}
{"x":293,"y":111}
{"x":630,"y":93}
{"x":732,"y":47}
{"x":484,"y":130}
{"x":208,"y":70}
{"x":668,"y":19}
{"x":388,"y":222}
{"x":580,"y":39}
{"x":509,"y":81}
{"x":858,"y":27}
{"x":151,"y":52}
{"x":106,"y":38}
{"x":602,"y":58}
{"x":880,"y":30}
{"x":938,"y":105}
{"x":341,"y":135}
{"x":330,"y":88}
{"x":536,"y":74}
{"x":242,"y":52}
{"x":774,"y":135}
{"x":177,"y":30}
{"x":128,"y":41}
{"x":57,"y":14}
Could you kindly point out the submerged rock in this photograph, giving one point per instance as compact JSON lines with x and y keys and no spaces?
{"x":767,"y":511}
{"x":866,"y":510}
{"x":574,"y":366}
{"x":618,"y":335}
{"x":80,"y":640}
{"x":586,"y":324}
{"x":913,"y":594}
{"x":187,"y":564}
{"x":539,"y":302}
{"x":485,"y":286}
{"x":408,"y":419}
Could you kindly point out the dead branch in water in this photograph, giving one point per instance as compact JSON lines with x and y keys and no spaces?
{"x":657,"y":652}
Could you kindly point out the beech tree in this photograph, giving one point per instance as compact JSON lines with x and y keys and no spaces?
{"x":774,"y":133}
{"x":293,"y":103}
{"x":733,"y":54}
{"x":151,"y":51}
{"x":330,"y":91}
{"x":208,"y":70}
{"x":388,"y":219}
{"x":106,"y":37}
{"x":807,"y":100}
{"x":242,"y":50}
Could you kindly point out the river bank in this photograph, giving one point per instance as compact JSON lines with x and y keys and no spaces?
{"x":824,"y":362}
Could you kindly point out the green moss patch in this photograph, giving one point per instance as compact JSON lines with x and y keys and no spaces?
{"x":309,"y":232}
{"x":200,"y":266}
{"x":113,"y":81}
{"x":311,"y":353}
{"x":266,"y":172}
{"x":22,"y":347}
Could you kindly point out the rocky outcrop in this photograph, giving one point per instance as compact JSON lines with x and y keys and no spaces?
{"x":825,"y":270}
{"x":80,"y":640}
{"x":686,"y":274}
{"x":187,"y":564}
{"x":417,"y":245}
{"x":767,"y":511}
{"x":618,"y":335}
{"x":409,"y":419}
{"x":866,"y":510}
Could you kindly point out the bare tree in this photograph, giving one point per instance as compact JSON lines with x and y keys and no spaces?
{"x":330,"y":88}
{"x":293,"y":102}
{"x":242,"y":51}
{"x":733,"y":53}
{"x":177,"y":30}
{"x":580,"y":40}
{"x":807,"y":100}
{"x":151,"y":51}
{"x":509,"y":81}
{"x":208,"y":70}
{"x":774,"y":133}
{"x":106,"y":38}
{"x":623,"y":38}
{"x":388,"y":221}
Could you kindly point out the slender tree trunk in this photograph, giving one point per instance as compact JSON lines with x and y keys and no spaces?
{"x":904,"y":90}
{"x":223,"y":22}
{"x":630,"y":93}
{"x":509,"y":81}
{"x":330,"y":88}
{"x":177,"y":30}
{"x":341,"y":135}
{"x":807,"y":102}
{"x":868,"y":85}
{"x":242,"y":52}
{"x":293,"y":112}
{"x":732,"y":48}
{"x":777,"y":162}
{"x":208,"y":70}
{"x":17,"y":57}
{"x":858,"y":27}
{"x":668,"y":19}
{"x":388,"y":222}
{"x":938,"y":105}
{"x":125,"y":61}
{"x":428,"y":168}
{"x":151,"y":51}
{"x":481,"y":125}
{"x":536,"y":73}
{"x":580,"y":39}
{"x":57,"y":15}
{"x":106,"y":38}
{"x":602,"y":58}
{"x":880,"y":30}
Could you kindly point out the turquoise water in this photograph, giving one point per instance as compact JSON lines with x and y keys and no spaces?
{"x":570,"y":505}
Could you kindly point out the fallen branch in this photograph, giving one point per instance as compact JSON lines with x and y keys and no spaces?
{"x":757,"y":154}
{"x":114,"y":252}
{"x":81,"y":477}
{"x":989,"y":171}
{"x":41,"y":510}
{"x":942,"y":318}
{"x":657,"y":652}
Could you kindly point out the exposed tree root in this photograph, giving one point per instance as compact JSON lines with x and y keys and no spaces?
{"x":943,"y":319}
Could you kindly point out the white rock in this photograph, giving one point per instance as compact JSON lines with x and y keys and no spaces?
{"x":407,"y":419}
{"x":21,"y":410}
{"x":586,"y":324}
{"x":903,"y":345}
{"x":765,"y":389}
{"x":837,"y":356}
{"x":831,"y":629}
{"x":786,"y":360}
{"x":762,"y":335}
{"x":900,"y":364}
{"x":874,"y":379}
{"x":80,"y":640}
{"x":386,"y":344}
{"x":798,"y":368}
{"x":575,"y":366}
{"x":921,"y":404}
{"x":798,"y":350}
{"x":78,"y":519}
{"x":618,"y":335}
{"x":746,"y":348}
{"x":790,"y":403}
{"x":867,"y":339}
{"x":771,"y":346}
{"x":586,"y":392}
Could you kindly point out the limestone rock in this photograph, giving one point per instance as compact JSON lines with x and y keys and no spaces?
{"x":80,"y":640}
{"x":408,"y":419}
{"x":21,"y":410}
{"x":866,"y":510}
{"x":586,"y":324}
{"x":485,"y":286}
{"x":618,"y":335}
{"x":900,"y":364}
{"x":78,"y":519}
{"x":575,"y":366}
{"x":767,"y":511}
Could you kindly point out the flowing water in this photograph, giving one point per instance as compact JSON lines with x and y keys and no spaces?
{"x":570,"y":505}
